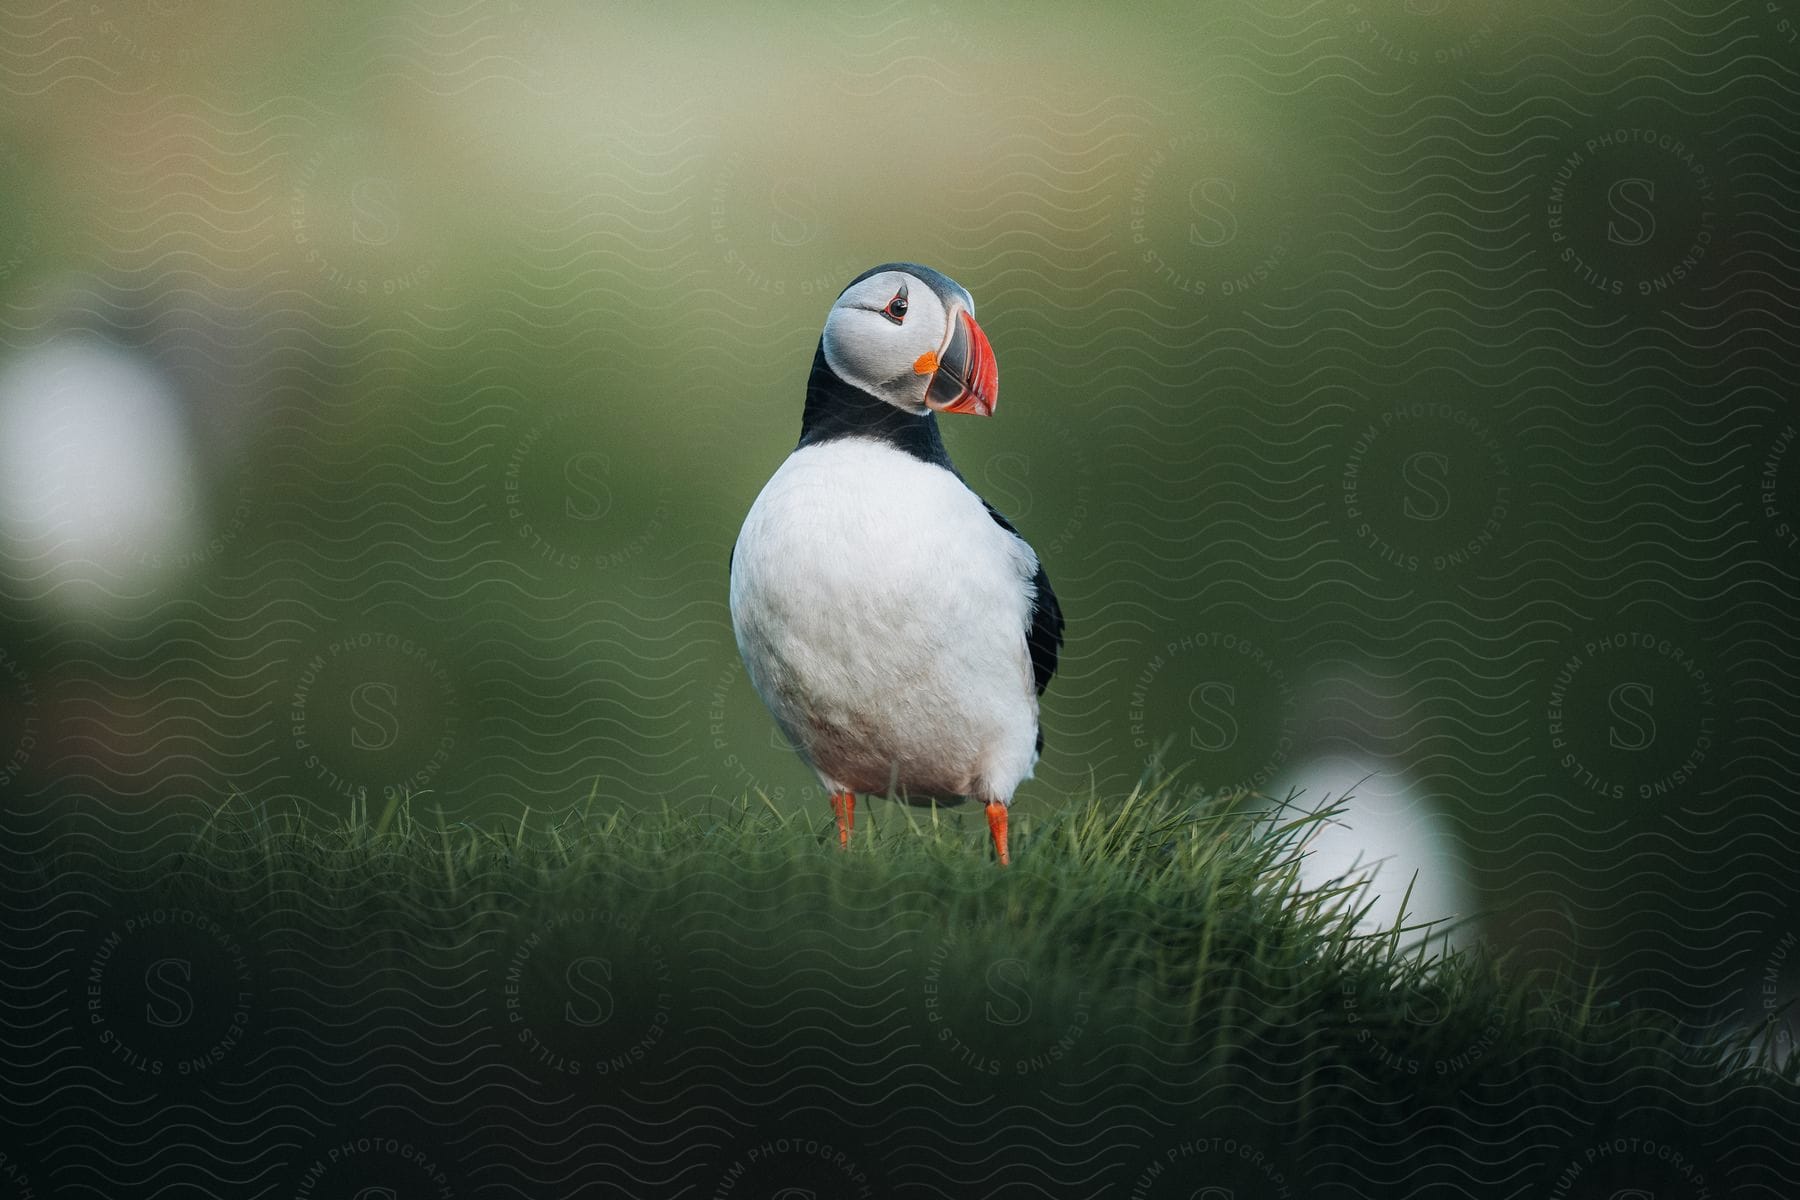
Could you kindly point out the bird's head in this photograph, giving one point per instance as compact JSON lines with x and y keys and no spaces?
{"x":907,"y":334}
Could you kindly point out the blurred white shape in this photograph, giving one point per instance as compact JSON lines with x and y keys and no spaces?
{"x":98,"y":494}
{"x":1386,"y":833}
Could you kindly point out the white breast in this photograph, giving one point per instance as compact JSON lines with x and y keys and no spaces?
{"x":881,"y":614}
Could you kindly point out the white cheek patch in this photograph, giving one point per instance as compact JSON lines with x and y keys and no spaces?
{"x":869,"y":351}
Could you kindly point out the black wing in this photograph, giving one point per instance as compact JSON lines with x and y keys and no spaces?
{"x":1045,"y":634}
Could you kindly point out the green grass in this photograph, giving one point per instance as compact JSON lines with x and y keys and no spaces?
{"x":1151,"y":960}
{"x":1174,"y":903}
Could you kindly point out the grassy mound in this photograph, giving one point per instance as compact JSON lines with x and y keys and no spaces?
{"x":722,"y":1003}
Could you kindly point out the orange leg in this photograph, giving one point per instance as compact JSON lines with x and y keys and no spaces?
{"x":844,"y":805}
{"x":996,"y":815}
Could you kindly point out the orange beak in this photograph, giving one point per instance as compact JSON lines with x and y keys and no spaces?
{"x":964,"y":376}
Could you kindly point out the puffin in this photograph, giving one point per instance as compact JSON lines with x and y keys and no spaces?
{"x":898,"y":627}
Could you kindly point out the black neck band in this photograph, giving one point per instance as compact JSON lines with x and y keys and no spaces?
{"x":835,"y":409}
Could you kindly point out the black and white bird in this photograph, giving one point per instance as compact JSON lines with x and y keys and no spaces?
{"x":898,"y":627}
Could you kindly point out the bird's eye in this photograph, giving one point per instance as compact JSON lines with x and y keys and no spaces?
{"x":896,"y":308}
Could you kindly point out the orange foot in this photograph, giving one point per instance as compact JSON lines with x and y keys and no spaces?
{"x":996,"y":815}
{"x":844,"y":805}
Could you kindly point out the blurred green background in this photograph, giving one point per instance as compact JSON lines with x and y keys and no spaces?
{"x":1399,"y":390}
